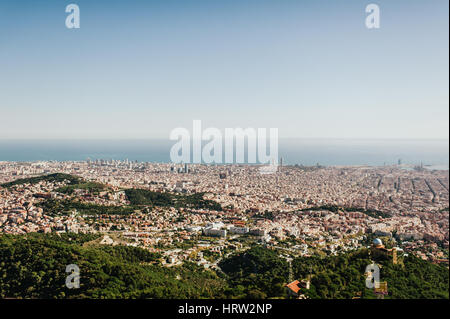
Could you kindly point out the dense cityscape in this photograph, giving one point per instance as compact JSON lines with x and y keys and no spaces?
{"x":302,"y":210}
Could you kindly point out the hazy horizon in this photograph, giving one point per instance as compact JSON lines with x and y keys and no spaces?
{"x":330,"y":152}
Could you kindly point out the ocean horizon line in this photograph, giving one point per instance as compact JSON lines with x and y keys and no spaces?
{"x":336,"y":152}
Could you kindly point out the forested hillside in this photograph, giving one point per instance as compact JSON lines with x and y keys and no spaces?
{"x":33,"y":266}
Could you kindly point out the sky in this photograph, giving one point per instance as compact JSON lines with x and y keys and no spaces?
{"x":139,"y":69}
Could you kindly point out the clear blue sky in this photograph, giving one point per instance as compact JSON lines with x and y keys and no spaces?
{"x":138,"y":69}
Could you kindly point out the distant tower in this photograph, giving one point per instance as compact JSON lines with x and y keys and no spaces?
{"x":399,"y":161}
{"x":381,"y":290}
{"x":281,"y":162}
{"x":185,"y":167}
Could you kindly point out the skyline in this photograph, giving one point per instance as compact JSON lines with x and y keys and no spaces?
{"x":329,"y":152}
{"x":137,"y":70}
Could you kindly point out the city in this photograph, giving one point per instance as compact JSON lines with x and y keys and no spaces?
{"x":303,"y":210}
{"x":225,"y":158}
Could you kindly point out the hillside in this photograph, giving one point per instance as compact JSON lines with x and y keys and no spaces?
{"x":343,"y":276}
{"x":138,"y":198}
{"x":33,"y":266}
{"x":57,"y":177}
{"x":259,"y":272}
{"x":142,"y":197}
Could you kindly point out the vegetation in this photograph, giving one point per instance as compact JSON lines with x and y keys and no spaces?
{"x":150,"y":198}
{"x":343,"y":276}
{"x":63,"y":207}
{"x":256,"y":273}
{"x":57,"y":177}
{"x":260,"y":273}
{"x":369,"y":212}
{"x":73,"y":183}
{"x":33,"y":266}
{"x":91,"y":187}
{"x":138,"y":198}
{"x":266,"y":215}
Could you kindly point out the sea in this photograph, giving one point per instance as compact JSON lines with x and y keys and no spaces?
{"x":432,"y":154}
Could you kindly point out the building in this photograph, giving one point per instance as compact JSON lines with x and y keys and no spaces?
{"x":239,"y":230}
{"x":378,"y":250}
{"x":293,"y":289}
{"x":215,"y":232}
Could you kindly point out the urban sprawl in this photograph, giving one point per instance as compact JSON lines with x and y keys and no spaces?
{"x":304,"y":210}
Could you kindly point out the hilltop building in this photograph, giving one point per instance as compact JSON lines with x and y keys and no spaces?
{"x":378,"y":250}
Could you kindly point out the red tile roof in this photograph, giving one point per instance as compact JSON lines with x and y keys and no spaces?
{"x":294,"y":286}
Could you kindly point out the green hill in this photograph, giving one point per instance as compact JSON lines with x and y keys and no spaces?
{"x":256,"y":273}
{"x":342,"y":276}
{"x":260,"y":271}
{"x":91,"y":187}
{"x":73,"y":183}
{"x":33,"y":266}
{"x":57,"y":177}
{"x":150,"y":198}
{"x":54,"y":207}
